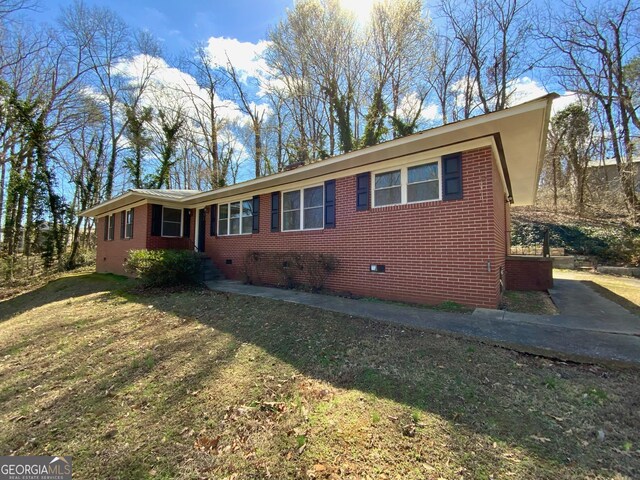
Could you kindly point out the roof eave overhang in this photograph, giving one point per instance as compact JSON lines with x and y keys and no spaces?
{"x":522,"y":131}
{"x":127,"y":200}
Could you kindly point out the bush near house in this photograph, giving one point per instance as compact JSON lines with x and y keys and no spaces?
{"x":162,"y":268}
{"x":291,"y":269}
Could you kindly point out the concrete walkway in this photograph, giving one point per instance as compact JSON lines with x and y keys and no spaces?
{"x":558,"y":336}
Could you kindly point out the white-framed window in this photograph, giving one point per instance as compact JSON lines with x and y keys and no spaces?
{"x":415,"y":183}
{"x":111,"y":219}
{"x":303,"y":209}
{"x":171,"y":222}
{"x":128,"y":224}
{"x":235,"y":218}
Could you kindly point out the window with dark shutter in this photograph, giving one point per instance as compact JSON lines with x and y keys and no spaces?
{"x":106,"y":228}
{"x":275,"y":212}
{"x":128,"y":228}
{"x":256,"y":214}
{"x":212,"y":225}
{"x":452,"y":177}
{"x":112,"y":226}
{"x":122,"y":222}
{"x":186,"y":227}
{"x":156,"y":220}
{"x":363,"y":183}
{"x":330,"y":204}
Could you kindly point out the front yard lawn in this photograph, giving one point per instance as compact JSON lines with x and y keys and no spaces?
{"x":197,"y":384}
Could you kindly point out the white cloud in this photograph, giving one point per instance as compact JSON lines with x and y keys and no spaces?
{"x":525,"y":89}
{"x":246,"y":57}
{"x":172,"y":88}
{"x":564,"y":101}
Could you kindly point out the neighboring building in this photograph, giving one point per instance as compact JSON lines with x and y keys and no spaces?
{"x":604,"y":173}
{"x":432,"y":207}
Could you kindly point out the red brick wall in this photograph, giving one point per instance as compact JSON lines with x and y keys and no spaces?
{"x":500,"y":228}
{"x":111,"y":254}
{"x":529,"y":273}
{"x":433,"y":251}
{"x":176,"y":243}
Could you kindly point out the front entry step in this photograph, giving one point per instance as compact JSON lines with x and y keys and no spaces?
{"x":209,"y":271}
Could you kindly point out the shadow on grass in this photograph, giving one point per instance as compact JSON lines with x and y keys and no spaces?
{"x":480,"y":390}
{"x":614,"y":297}
{"x":57,"y":290}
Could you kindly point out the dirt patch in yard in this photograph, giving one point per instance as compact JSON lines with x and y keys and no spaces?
{"x":197,"y":384}
{"x":538,"y":303}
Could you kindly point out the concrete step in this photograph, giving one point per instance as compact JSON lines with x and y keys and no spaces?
{"x":208,"y":269}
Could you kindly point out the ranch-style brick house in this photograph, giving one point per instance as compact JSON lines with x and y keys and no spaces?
{"x":423,"y":218}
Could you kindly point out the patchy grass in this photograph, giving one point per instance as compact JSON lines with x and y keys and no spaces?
{"x":538,"y":303}
{"x":446,"y":306}
{"x":29,"y":273}
{"x":197,"y":384}
{"x":625,"y":291}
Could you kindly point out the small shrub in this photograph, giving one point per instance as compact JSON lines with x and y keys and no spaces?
{"x":162,"y":268}
{"x":288,"y":269}
{"x":251,"y":268}
{"x":287,"y":266}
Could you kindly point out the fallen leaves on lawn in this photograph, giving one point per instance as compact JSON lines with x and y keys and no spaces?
{"x":207,"y":444}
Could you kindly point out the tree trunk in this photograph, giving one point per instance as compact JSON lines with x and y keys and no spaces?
{"x":2,"y":176}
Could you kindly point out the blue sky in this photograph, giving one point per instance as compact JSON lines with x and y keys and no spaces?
{"x":179,"y":24}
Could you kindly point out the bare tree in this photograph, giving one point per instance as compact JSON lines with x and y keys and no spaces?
{"x":447,"y":68}
{"x":107,"y":40}
{"x":256,"y":116}
{"x":400,"y":43}
{"x":206,"y":117}
{"x":494,"y":35}
{"x":587,"y":50}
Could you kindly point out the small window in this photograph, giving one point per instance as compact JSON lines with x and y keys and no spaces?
{"x":411,"y":184}
{"x":291,"y":210}
{"x":171,"y":222}
{"x":313,"y":207}
{"x":112,"y":226}
{"x":303,"y":209}
{"x":223,"y":219}
{"x":247,"y":216}
{"x":422,"y":183}
{"x":128,"y":225}
{"x":235,"y":218}
{"x":388,"y":188}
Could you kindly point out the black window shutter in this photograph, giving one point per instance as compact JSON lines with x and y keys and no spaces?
{"x":106,"y":227}
{"x":112,"y":227}
{"x":156,"y":220}
{"x":122,"y":220}
{"x":275,"y":212}
{"x":363,"y":182}
{"x":186,"y":226}
{"x":452,"y":177}
{"x":132,"y":210}
{"x":214,"y":215}
{"x":256,"y":214}
{"x":330,"y":204}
